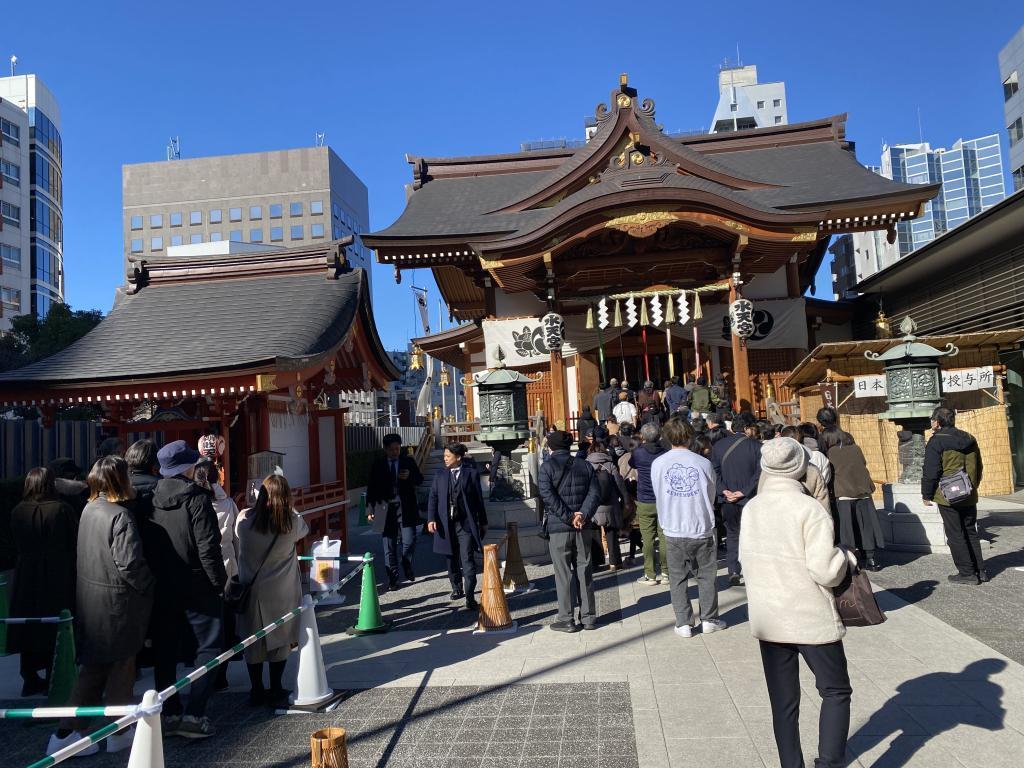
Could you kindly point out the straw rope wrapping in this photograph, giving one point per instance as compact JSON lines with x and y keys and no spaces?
{"x":133,"y":713}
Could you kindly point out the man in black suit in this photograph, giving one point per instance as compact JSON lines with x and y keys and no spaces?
{"x":392,"y":487}
{"x":456,"y":517}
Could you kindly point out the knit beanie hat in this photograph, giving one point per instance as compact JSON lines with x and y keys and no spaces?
{"x":783,"y":457}
{"x":559,"y":440}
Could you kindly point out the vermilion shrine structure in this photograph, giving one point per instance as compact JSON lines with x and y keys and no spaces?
{"x":637,"y":211}
{"x":246,"y":346}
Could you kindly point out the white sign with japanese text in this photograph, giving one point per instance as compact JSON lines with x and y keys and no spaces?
{"x":869,"y":386}
{"x":968,"y":379}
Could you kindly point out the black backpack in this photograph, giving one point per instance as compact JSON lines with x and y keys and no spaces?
{"x":609,"y":493}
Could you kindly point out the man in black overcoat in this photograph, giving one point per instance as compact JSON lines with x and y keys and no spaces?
{"x":456,"y":517}
{"x":391,"y":490}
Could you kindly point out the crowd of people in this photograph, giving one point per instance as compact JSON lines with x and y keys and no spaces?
{"x":790,"y":505}
{"x":159,"y":568}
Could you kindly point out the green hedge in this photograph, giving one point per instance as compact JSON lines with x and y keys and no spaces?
{"x":357,"y":467}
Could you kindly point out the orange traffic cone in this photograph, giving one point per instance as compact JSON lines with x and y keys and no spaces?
{"x":494,"y":615}
{"x":514,"y":580}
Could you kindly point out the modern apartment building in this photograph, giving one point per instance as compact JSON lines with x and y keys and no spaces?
{"x":286,"y":198}
{"x":856,"y":257}
{"x":745,"y":103}
{"x":971,"y":173}
{"x":1011,"y":70}
{"x":31,"y":199}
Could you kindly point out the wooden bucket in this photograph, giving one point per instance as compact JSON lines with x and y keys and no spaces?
{"x":329,"y":749}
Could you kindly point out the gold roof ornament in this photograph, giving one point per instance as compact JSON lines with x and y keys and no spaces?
{"x":416,"y":359}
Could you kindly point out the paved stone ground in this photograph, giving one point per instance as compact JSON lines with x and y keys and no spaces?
{"x":994,"y":612}
{"x":632,"y":693}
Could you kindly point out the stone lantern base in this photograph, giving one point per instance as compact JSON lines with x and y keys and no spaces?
{"x":907,"y":524}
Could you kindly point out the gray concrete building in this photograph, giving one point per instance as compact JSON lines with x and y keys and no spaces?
{"x":31,"y":199}
{"x":283,"y":198}
{"x":1011,"y":70}
{"x":745,"y":103}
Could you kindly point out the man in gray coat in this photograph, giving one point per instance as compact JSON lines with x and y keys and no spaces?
{"x":571,"y":495}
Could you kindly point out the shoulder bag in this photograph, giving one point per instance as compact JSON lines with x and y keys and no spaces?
{"x":236,"y":594}
{"x":855,"y":600}
{"x":956,"y":487}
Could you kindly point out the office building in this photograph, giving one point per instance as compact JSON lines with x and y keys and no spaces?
{"x":856,"y":257}
{"x":1011,"y":70}
{"x":745,"y":103}
{"x":283,"y":198}
{"x":31,"y":199}
{"x":971,"y":174}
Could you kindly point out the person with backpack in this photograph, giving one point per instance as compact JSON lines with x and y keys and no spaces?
{"x":702,"y":397}
{"x":952,"y":474}
{"x":614,"y":500}
{"x":648,"y":404}
{"x":737,"y":462}
{"x":641,"y":459}
{"x":570,"y":496}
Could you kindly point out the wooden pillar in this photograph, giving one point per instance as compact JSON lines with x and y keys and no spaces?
{"x":314,"y":447}
{"x":225,"y":433}
{"x":559,"y":412}
{"x":339,"y":448}
{"x":263,"y":414}
{"x":792,"y":278}
{"x":741,"y":368}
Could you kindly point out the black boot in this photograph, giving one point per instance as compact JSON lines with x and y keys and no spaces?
{"x":870,"y":564}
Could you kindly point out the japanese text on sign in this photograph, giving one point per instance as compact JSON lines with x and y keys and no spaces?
{"x":968,"y":379}
{"x":869,"y":386}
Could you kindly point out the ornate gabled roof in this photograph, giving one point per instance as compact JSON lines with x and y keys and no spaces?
{"x":802,"y":174}
{"x":203,"y":316}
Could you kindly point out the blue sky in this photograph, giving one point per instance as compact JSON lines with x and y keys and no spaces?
{"x":439,"y":78}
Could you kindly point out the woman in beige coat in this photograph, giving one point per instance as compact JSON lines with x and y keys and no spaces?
{"x":791,"y":565}
{"x":267,"y":535}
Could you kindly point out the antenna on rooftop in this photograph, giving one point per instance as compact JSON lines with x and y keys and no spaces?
{"x":320,"y":136}
{"x":739,"y":62}
{"x":920,"y":130}
{"x":14,"y":63}
{"x":174,"y":148}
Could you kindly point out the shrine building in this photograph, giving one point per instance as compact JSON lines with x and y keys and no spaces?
{"x":248,"y":347}
{"x":641,"y":241}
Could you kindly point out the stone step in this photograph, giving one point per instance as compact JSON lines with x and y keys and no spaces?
{"x":522,"y":512}
{"x":533,"y":547}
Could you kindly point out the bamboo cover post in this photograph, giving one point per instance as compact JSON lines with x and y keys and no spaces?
{"x":329,"y":748}
{"x":494,"y":614}
{"x":514,"y":578}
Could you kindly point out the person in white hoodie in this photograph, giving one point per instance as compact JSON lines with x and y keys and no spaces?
{"x":791,"y":565}
{"x":684,"y":491}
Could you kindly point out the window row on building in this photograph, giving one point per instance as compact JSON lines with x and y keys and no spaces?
{"x":46,"y":265}
{"x":11,"y":214}
{"x":11,"y":133}
{"x":10,"y":298}
{"x":45,"y":133}
{"x":46,"y":221}
{"x":216,"y":215}
{"x":46,"y":176}
{"x":255,"y":235}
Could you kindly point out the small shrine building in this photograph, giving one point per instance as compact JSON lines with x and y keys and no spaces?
{"x":640,"y":241}
{"x":248,"y":347}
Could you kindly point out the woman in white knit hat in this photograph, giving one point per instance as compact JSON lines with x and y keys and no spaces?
{"x":791,"y":565}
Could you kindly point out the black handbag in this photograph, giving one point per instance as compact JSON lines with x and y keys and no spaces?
{"x":855,"y":600}
{"x":236,"y":594}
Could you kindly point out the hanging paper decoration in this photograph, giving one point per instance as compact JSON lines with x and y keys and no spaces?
{"x":670,"y":311}
{"x":656,"y":316}
{"x":602,"y":314}
{"x":697,"y":314}
{"x":741,"y":318}
{"x":590,"y":318}
{"x":684,"y":309}
{"x":643,"y":312}
{"x":617,"y":322}
{"x":631,"y":316}
{"x":554,"y":329}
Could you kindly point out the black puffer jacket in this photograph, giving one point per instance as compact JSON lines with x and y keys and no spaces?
{"x":185,"y":548}
{"x":577,"y":492}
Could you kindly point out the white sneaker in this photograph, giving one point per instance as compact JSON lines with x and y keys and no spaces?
{"x":56,"y":743}
{"x":647,"y":581}
{"x":712,"y":625}
{"x":121,"y":740}
{"x":684,"y":631}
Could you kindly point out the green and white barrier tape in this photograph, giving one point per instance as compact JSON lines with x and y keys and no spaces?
{"x":35,"y":620}
{"x":132,"y":713}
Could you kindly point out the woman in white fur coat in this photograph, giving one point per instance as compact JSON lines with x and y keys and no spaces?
{"x":791,"y":565}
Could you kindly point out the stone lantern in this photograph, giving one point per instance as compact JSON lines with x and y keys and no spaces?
{"x":913,"y":391}
{"x":504,"y":423}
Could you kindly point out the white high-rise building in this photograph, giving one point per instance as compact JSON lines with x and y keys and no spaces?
{"x":745,"y":103}
{"x":31,"y":199}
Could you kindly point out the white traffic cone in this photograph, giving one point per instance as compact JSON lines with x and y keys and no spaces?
{"x":148,"y":744}
{"x":312,"y":693}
